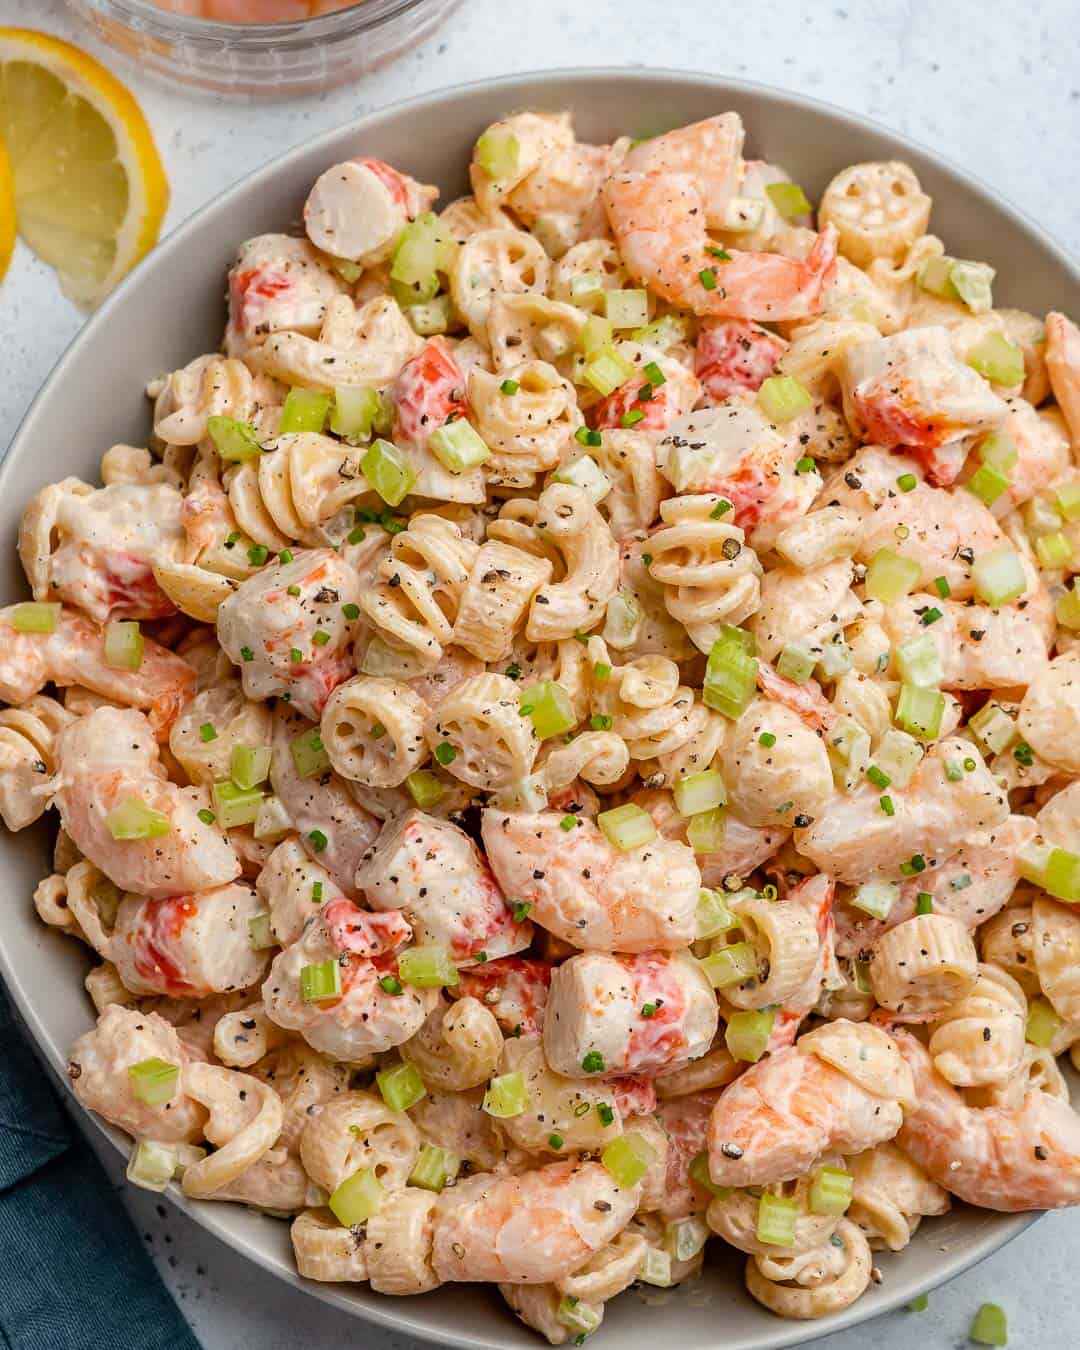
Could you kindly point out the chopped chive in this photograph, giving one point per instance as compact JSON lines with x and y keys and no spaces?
{"x":319,"y":840}
{"x":567,"y":823}
{"x":907,"y":482}
{"x":356,"y":535}
{"x":593,"y":1062}
{"x":294,"y":591}
{"x":646,"y":558}
{"x":886,"y":804}
{"x":969,"y":764}
{"x":917,"y":863}
{"x":806,"y":465}
{"x":585,"y":436}
{"x":707,"y":277}
{"x":509,"y":387}
{"x":714,"y":251}
{"x":521,"y":911}
{"x":390,"y":985}
{"x":648,"y":1010}
{"x":207,"y":817}
{"x":606,"y":1114}
{"x":600,"y":722}
{"x":631,"y":418}
{"x":878,"y":777}
{"x":285,"y":556}
{"x":207,"y":732}
{"x":931,"y":616}
{"x":767,"y":739}
{"x":601,"y":670}
{"x":445,"y":753}
{"x":316,"y":892}
{"x":296,"y":656}
{"x":246,"y":654}
{"x":320,"y":637}
{"x":258,"y":554}
{"x":655,"y":375}
{"x":555,"y":1142}
{"x":1023,"y":754}
{"x":351,"y":611}
{"x":941,"y":585}
{"x":924,"y":903}
{"x":720,"y":509}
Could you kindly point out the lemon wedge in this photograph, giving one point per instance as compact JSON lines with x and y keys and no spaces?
{"x":7,"y":211}
{"x":90,"y":192}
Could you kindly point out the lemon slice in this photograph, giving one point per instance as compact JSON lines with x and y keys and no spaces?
{"x":90,"y":192}
{"x":7,"y":211}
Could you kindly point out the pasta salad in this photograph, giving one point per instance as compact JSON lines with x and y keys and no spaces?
{"x":566,"y":739}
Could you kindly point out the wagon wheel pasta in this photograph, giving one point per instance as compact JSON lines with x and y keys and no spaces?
{"x":565,"y":736}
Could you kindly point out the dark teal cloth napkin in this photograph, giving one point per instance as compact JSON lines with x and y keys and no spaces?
{"x":73,"y":1273}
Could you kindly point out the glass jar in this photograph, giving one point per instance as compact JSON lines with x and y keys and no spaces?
{"x":267,"y":60}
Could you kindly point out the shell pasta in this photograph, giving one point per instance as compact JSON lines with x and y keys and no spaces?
{"x":566,"y":738}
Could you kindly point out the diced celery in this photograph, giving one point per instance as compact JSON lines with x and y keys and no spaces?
{"x":876,"y":898}
{"x":585,"y":473}
{"x":835,"y":659}
{"x":355,"y":411}
{"x":153,"y":1081}
{"x":999,"y":449}
{"x":304,"y":410}
{"x":848,"y":745}
{"x":684,"y":1238}
{"x":309,"y":755}
{"x":998,"y":359}
{"x":427,"y":968}
{"x":35,"y":616}
{"x":556,"y":232}
{"x":889,"y":576}
{"x":134,"y":820}
{"x":434,"y":1167}
{"x":498,"y":154}
{"x":898,"y":756}
{"x":458,"y":446}
{"x":549,"y":707}
{"x":425,"y":788}
{"x":622,"y":621}
{"x":713,"y":915}
{"x":919,"y":711}
{"x":1067,"y":496}
{"x":730,"y":673}
{"x":587,"y":290}
{"x":578,"y":1316}
{"x":400,"y":1085}
{"x":320,"y":981}
{"x":782,"y":398}
{"x":596,"y":334}
{"x":664,"y":333}
{"x":727,"y":966}
{"x":249,"y":765}
{"x":357,"y":1198}
{"x":506,"y":1096}
{"x":999,"y":576}
{"x":789,"y":199}
{"x":1061,"y":876}
{"x":656,"y":1268}
{"x":381,"y":659}
{"x":699,"y":792}
{"x":988,"y":483}
{"x":606,"y":371}
{"x":705,"y":832}
{"x":747,"y":1034}
{"x":260,"y":934}
{"x":627,"y":827}
{"x":990,"y":1326}
{"x":776,"y":1220}
{"x":430,"y":317}
{"x":831,"y":1191}
{"x":233,"y":440}
{"x":415,"y":258}
{"x":992,"y":727}
{"x":1067,"y":609}
{"x":525,"y":794}
{"x":1053,"y":550}
{"x":935,"y":277}
{"x":1043,"y":1023}
{"x":152,"y":1164}
{"x":273,"y":820}
{"x":123,"y":646}
{"x":919,"y":662}
{"x":971,"y":281}
{"x":626,"y":309}
{"x":796,"y":663}
{"x":627,"y":1159}
{"x":743,"y":215}
{"x":388,"y":471}
{"x":236,"y":805}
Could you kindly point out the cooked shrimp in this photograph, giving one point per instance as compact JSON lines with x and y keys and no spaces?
{"x":711,"y":150}
{"x":733,"y":356}
{"x":514,"y":988}
{"x":333,"y":827}
{"x":109,"y":759}
{"x":774,"y":1122}
{"x":74,"y":654}
{"x":188,"y":946}
{"x":528,"y":1229}
{"x":638,"y":1014}
{"x":436,"y":875}
{"x":590,"y":893}
{"x":855,"y":841}
{"x":973,"y":885}
{"x":997,"y":1157}
{"x":366,"y":1018}
{"x":685,"y":1121}
{"x":1063,"y":367}
{"x":659,"y":224}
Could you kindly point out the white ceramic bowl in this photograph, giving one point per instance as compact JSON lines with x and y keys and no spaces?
{"x":171,"y":309}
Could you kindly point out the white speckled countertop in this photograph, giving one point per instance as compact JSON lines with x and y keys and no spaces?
{"x":991,"y":86}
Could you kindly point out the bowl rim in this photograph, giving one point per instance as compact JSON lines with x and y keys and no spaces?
{"x":362,"y":16}
{"x":393,"y":1313}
